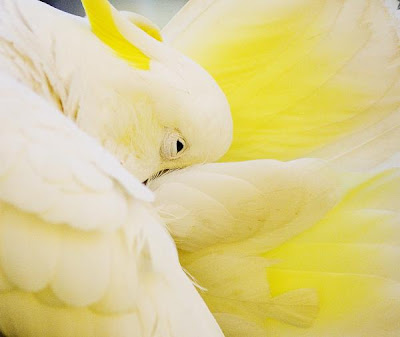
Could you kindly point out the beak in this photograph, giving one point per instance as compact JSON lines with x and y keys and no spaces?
{"x":140,"y":170}
{"x":155,"y":176}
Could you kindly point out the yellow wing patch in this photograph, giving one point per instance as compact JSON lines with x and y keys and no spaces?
{"x":299,"y":75}
{"x":102,"y":18}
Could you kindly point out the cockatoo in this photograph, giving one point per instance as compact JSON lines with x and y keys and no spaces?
{"x":308,"y":246}
{"x":299,"y":248}
{"x":82,"y":250}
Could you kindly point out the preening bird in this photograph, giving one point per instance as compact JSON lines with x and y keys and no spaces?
{"x":308,"y":246}
{"x":302,"y":239}
{"x":82,"y":250}
{"x":119,"y":83}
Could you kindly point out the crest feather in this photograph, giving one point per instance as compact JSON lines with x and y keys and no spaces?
{"x":104,"y":22}
{"x":144,"y":24}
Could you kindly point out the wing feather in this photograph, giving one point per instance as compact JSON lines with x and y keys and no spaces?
{"x":82,"y":251}
{"x":303,"y":78}
{"x":314,"y":251}
{"x":309,"y":251}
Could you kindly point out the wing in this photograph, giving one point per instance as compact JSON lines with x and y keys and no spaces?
{"x":82,"y":252}
{"x":305,"y":78}
{"x":289,"y":248}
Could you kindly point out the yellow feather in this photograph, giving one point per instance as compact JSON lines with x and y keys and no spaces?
{"x":304,"y":78}
{"x":309,"y":252}
{"x":103,"y":19}
{"x":299,"y":74}
{"x":144,"y":24}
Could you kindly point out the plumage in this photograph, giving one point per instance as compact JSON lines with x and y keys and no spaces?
{"x":303,"y":250}
{"x":303,"y":78}
{"x":83,"y":251}
{"x":107,"y":24}
{"x":79,"y":247}
{"x":307,"y":246}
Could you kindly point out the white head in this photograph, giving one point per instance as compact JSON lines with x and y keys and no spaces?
{"x":148,"y":104}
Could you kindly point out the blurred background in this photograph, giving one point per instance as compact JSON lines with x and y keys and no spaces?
{"x":159,"y":11}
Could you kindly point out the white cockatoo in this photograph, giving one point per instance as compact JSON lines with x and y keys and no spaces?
{"x":82,"y":250}
{"x":306,"y":247}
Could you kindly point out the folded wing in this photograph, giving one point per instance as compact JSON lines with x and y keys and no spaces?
{"x":82,"y":251}
{"x":289,"y":249}
{"x":304,"y":78}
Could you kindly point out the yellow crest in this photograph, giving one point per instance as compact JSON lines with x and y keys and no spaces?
{"x":104,"y":22}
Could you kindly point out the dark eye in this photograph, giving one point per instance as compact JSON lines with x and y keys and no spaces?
{"x":179,"y":146}
{"x":173,"y":145}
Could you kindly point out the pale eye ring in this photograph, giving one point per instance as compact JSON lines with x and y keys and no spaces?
{"x":173,"y":146}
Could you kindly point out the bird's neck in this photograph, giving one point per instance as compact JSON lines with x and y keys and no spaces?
{"x":39,"y":46}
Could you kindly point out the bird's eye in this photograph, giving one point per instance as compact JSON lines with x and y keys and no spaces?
{"x":173,"y":145}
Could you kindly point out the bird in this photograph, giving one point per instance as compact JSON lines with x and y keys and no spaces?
{"x":91,"y":108}
{"x":295,"y":231}
{"x":68,"y":65}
